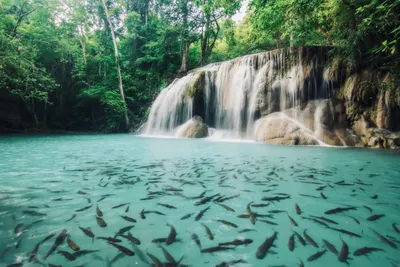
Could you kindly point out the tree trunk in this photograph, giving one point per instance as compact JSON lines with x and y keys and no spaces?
{"x":121,"y":88}
{"x":204,"y":41}
{"x":185,"y":58}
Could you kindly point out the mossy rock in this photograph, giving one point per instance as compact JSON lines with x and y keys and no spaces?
{"x":196,"y":89}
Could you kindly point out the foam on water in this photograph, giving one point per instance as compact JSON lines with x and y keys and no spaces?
{"x":36,"y":170}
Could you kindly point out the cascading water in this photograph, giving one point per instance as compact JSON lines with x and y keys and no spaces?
{"x":231,"y":96}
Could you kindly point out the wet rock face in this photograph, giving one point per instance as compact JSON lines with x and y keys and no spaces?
{"x":194,"y":128}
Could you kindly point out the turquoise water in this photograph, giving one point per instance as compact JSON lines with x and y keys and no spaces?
{"x":55,"y":176}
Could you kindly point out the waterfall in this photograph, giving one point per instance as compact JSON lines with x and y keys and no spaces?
{"x":231,"y":96}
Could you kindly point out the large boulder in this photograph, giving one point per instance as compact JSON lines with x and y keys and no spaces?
{"x":194,"y":128}
{"x":279,"y":129}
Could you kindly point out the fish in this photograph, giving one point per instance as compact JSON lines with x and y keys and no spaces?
{"x":208,"y":231}
{"x":316,"y":255}
{"x":83,"y":252}
{"x":67,"y":255}
{"x":72,"y":244}
{"x":330,"y":247}
{"x":230,"y":263}
{"x":357,"y":221}
{"x":368,"y":208}
{"x":73,"y":216}
{"x":84,"y":208}
{"x":110,"y":239}
{"x":292,"y":221}
{"x":276,"y":211}
{"x":16,"y":228}
{"x":268,"y":222}
{"x":216,"y":249}
{"x":98,"y":211}
{"x":237,"y":242}
{"x":18,"y":264}
{"x":300,"y":263}
{"x":277,"y":198}
{"x":321,"y":188}
{"x":323,"y":196}
{"x":120,"y":205}
{"x":298,"y":210}
{"x":265,"y":246}
{"x":260,"y":205}
{"x":344,"y":252}
{"x":123,"y":230}
{"x":196,"y":239}
{"x":123,"y":249}
{"x":32,"y":255}
{"x":171,"y":236}
{"x":309,"y":239}
{"x":80,"y":192}
{"x":385,"y":240}
{"x":127,"y":209}
{"x":300,"y":238}
{"x":167,"y":206}
{"x":375,"y":217}
{"x":87,"y":231}
{"x":247,"y":230}
{"x":132,"y":239}
{"x":226,"y":207}
{"x":156,"y":261}
{"x":33,"y":213}
{"x":205,"y":200}
{"x":142,"y":214}
{"x":101,"y":222}
{"x":365,"y":250}
{"x":324,"y":219}
{"x":201,"y":213}
{"x":59,"y":240}
{"x":395,"y":228}
{"x":345,"y":232}
{"x":340,"y":209}
{"x":159,"y":240}
{"x":228,"y":223}
{"x":168,"y":255}
{"x":187,"y":216}
{"x":291,"y":243}
{"x":129,"y":219}
{"x":374,"y":197}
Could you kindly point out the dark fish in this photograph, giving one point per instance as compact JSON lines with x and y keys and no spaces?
{"x":99,"y":212}
{"x":323,"y":196}
{"x":385,"y":240}
{"x":171,"y":236}
{"x":230,"y":263}
{"x":131,"y":238}
{"x":292,"y":220}
{"x":337,"y":210}
{"x":300,"y":263}
{"x":368,"y":208}
{"x":305,"y":195}
{"x":73,"y":216}
{"x":201,"y":213}
{"x":365,"y":250}
{"x":259,"y":205}
{"x":168,"y":256}
{"x":208,"y":231}
{"x":187,"y":216}
{"x":237,"y":242}
{"x":159,"y":240}
{"x":156,"y":261}
{"x":19,"y":264}
{"x":83,"y":252}
{"x":345,"y":232}
{"x":277,"y":198}
{"x":216,"y":249}
{"x":196,"y":239}
{"x":87,"y":231}
{"x":129,"y":219}
{"x":316,"y":255}
{"x":309,"y":239}
{"x":321,"y":187}
{"x":298,"y":210}
{"x":344,"y":252}
{"x":167,"y":206}
{"x":16,"y":228}
{"x":120,"y":205}
{"x":357,"y":221}
{"x":324,"y":219}
{"x":72,"y":244}
{"x":142,"y":214}
{"x":59,"y":240}
{"x":84,"y":208}
{"x":111,"y":239}
{"x":227,"y":223}
{"x":226,"y":207}
{"x":247,"y":230}
{"x":127,"y":209}
{"x":33,"y":213}
{"x":276,"y":211}
{"x":82,"y":193}
{"x":205,"y":200}
{"x":267,"y":222}
{"x":123,"y":230}
{"x":123,"y":249}
{"x":32,"y":255}
{"x":300,"y":238}
{"x":101,"y":222}
{"x":291,"y":242}
{"x":374,"y":197}
{"x":264,"y":247}
{"x":395,"y":228}
{"x":330,"y":247}
{"x":375,"y":217}
{"x":67,"y":255}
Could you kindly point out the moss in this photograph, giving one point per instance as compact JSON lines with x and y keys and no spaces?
{"x":196,"y":89}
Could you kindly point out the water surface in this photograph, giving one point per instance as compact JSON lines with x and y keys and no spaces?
{"x":56,"y":176}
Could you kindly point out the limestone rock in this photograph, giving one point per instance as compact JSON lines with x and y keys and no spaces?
{"x":194,"y":128}
{"x":279,"y":129}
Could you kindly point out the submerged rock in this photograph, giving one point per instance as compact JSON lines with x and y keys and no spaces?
{"x":194,"y":128}
{"x":279,"y":129}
